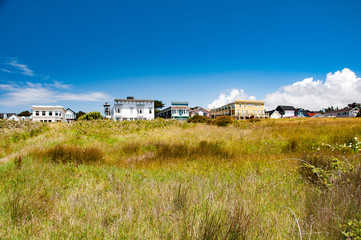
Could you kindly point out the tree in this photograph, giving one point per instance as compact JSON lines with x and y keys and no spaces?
{"x":24,"y":113}
{"x":79,"y":114}
{"x":157,"y":106}
{"x":91,"y":116}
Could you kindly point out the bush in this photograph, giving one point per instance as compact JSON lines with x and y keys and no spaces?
{"x":223,"y":121}
{"x":91,"y":116}
{"x":197,"y":119}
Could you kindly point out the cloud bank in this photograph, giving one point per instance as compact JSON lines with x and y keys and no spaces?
{"x":25,"y":93}
{"x":36,"y":93}
{"x":338,"y":90}
{"x":232,"y":95}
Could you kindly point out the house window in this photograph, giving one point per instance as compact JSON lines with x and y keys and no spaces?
{"x":56,"y":113}
{"x":140,"y":111}
{"x":50,"y":113}
{"x":43,"y":113}
{"x":37,"y":113}
{"x":118,"y":110}
{"x":150,"y":111}
{"x":131,"y":111}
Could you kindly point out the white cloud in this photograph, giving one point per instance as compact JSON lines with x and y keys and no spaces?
{"x":233,"y":94}
{"x":20,"y":67}
{"x":5,"y":70}
{"x":338,"y":90}
{"x":36,"y":93}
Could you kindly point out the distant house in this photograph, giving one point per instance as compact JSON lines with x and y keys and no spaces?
{"x":48,"y":113}
{"x":177,"y":110}
{"x":286,"y":111}
{"x":241,"y":109}
{"x":70,"y":115}
{"x":24,"y":118}
{"x":301,"y":113}
{"x":274,"y":114}
{"x":199,"y":111}
{"x":130,"y":109}
{"x":346,"y":112}
{"x":318,"y":115}
{"x":6,"y":115}
{"x":312,"y":114}
{"x":14,"y":118}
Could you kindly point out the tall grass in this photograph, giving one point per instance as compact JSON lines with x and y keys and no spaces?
{"x":173,"y":180}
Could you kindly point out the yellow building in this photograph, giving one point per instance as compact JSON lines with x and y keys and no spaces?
{"x":241,"y":109}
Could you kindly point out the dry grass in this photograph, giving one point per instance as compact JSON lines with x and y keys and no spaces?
{"x":171,"y":180}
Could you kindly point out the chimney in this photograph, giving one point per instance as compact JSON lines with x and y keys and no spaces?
{"x":130,"y":97}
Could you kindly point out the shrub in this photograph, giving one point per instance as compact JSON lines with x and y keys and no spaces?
{"x":197,"y":119}
{"x":91,"y":116}
{"x":223,"y":121}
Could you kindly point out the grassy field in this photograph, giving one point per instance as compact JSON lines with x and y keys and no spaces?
{"x":273,"y":179}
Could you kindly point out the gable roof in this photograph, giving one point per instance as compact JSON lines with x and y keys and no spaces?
{"x":70,"y":110}
{"x":196,"y":109}
{"x":283,"y":107}
{"x":311,"y":114}
{"x":347,"y":109}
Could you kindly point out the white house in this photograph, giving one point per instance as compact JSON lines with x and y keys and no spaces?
{"x":274,"y":114}
{"x":286,"y":111}
{"x":70,"y":115}
{"x":48,"y":113}
{"x":345,"y":112}
{"x":14,"y":118}
{"x":132,"y":109}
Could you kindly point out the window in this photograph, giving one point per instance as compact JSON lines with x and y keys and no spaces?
{"x":131,"y":111}
{"x":56,"y":113}
{"x":118,"y":110}
{"x":43,"y":113}
{"x":37,"y":113}
{"x":140,"y":111}
{"x":150,"y":111}
{"x":50,"y":113}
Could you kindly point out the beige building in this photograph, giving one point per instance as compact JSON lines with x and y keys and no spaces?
{"x":48,"y":113}
{"x":241,"y":109}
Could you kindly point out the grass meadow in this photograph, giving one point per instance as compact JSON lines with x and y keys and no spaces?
{"x":272,"y":179}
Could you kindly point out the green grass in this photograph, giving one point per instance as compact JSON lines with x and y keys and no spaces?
{"x":170,"y":180}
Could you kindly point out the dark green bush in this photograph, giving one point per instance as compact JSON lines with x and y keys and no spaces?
{"x":91,"y":116}
{"x":197,"y":119}
{"x":223,"y":121}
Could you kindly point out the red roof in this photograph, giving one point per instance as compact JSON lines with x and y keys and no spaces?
{"x":311,"y":114}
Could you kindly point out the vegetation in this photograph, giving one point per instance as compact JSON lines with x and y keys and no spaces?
{"x":166,"y":179}
{"x":223,"y":121}
{"x":198,"y":119}
{"x":158,"y":105}
{"x":79,"y":114}
{"x":91,"y":116}
{"x":24,"y":113}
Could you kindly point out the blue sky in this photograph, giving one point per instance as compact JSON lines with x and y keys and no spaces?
{"x":84,"y":53}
